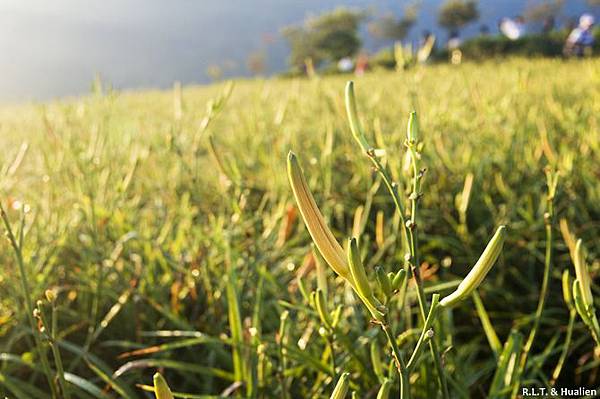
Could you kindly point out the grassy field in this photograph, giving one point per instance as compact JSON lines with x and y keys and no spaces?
{"x":157,"y":231}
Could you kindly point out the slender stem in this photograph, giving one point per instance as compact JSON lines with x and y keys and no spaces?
{"x":415,"y":264}
{"x":565,"y":349}
{"x":399,"y":360}
{"x":393,"y":189}
{"x":28,"y":301}
{"x":56,"y":353}
{"x":548,"y":219}
{"x":425,"y":334}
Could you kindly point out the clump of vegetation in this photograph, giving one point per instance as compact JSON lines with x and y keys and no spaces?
{"x":455,"y":14}
{"x":156,"y":232}
{"x":325,"y":38}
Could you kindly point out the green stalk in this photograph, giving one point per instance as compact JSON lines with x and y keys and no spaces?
{"x":399,"y":361}
{"x":565,"y":349}
{"x":60,"y":371}
{"x":27,"y":299}
{"x":548,"y":222}
{"x":414,"y":261}
{"x":425,"y":332}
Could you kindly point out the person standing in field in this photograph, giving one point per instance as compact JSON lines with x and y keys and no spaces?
{"x":581,"y":39}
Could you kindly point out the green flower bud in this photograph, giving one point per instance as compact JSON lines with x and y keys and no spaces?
{"x":479,"y":271}
{"x":384,"y":391}
{"x":580,"y":303}
{"x":376,"y":359}
{"x":567,"y":290}
{"x":355,"y":127}
{"x":161,"y":389}
{"x":583,"y":275}
{"x":412,"y":129}
{"x":398,"y":279}
{"x":341,"y":388}
{"x":323,"y":238}
{"x":361,"y":282}
{"x":321,"y":305}
{"x":383,"y":280}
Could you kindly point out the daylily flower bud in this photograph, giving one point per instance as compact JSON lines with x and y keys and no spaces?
{"x":383,"y":280}
{"x":398,"y":279}
{"x":341,"y":388}
{"x":566,"y":288}
{"x":580,"y":305}
{"x":412,"y":129}
{"x":321,"y":306}
{"x":583,"y":275}
{"x":323,"y":238}
{"x":384,"y":391}
{"x":161,"y":389}
{"x":355,"y":127}
{"x":361,"y":282}
{"x":479,"y":271}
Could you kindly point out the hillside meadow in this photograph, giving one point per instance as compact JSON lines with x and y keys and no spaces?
{"x":157,"y":231}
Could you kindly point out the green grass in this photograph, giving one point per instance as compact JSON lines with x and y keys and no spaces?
{"x":175,"y":246}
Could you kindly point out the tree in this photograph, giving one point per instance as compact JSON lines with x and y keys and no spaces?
{"x":544,"y":10}
{"x":257,"y":62}
{"x":545,"y":13}
{"x":328,"y":37}
{"x":454,"y":14}
{"x":388,"y":27}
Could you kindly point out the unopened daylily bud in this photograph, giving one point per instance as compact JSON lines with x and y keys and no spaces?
{"x":582,"y":309}
{"x":323,"y":238}
{"x":355,"y":127}
{"x":357,"y":270}
{"x":50,"y":295}
{"x":383,"y":280}
{"x":335,"y":318}
{"x":361,"y":282}
{"x":321,"y":306}
{"x":161,"y":389}
{"x":376,"y":359}
{"x":384,"y":391}
{"x":412,"y":129}
{"x":398,"y":279}
{"x":567,"y":290}
{"x":583,"y":274}
{"x":479,"y":271}
{"x":341,"y":388}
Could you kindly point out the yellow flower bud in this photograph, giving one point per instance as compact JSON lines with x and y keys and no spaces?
{"x":566,"y":288}
{"x":583,"y":275}
{"x":161,"y":389}
{"x":412,"y":129}
{"x":384,"y":391}
{"x":355,"y":127}
{"x":479,"y":271}
{"x":321,"y":306}
{"x":361,"y":282}
{"x":341,"y":388}
{"x":323,"y":238}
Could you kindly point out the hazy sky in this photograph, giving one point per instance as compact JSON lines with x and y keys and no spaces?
{"x":53,"y":48}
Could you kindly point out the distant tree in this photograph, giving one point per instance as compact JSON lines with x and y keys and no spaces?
{"x":327,"y":37}
{"x":389,"y":27}
{"x":541,"y":12}
{"x":455,"y":14}
{"x":256,"y":62}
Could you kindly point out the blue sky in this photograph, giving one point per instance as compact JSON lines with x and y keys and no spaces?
{"x":54,"y":48}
